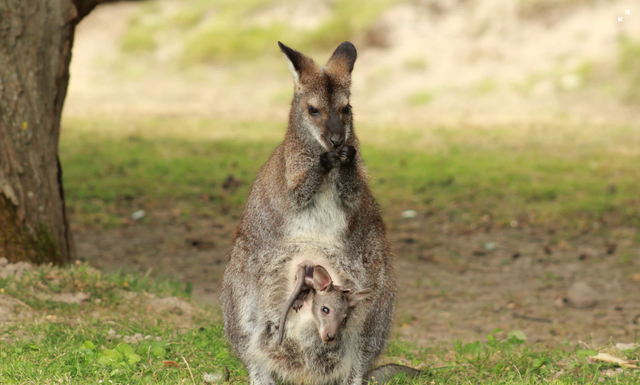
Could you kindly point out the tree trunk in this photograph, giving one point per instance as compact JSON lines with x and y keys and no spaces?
{"x":36,"y":37}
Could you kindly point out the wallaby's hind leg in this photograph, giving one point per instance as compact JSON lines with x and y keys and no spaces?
{"x":259,"y":376}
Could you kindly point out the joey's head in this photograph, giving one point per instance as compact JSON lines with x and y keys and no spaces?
{"x":332,"y":304}
{"x":320,"y":110}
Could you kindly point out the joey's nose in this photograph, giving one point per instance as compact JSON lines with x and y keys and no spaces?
{"x":336,"y":140}
{"x":330,"y":337}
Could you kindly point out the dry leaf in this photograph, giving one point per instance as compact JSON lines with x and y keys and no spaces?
{"x":171,"y":363}
{"x":605,"y":357}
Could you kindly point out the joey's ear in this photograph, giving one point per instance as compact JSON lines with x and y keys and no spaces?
{"x":321,"y":278}
{"x":358,"y":296}
{"x":341,"y":62}
{"x":298,"y":63}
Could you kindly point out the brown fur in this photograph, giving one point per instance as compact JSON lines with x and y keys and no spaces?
{"x":310,"y":196}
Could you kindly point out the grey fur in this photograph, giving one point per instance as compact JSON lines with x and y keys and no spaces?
{"x":310,"y":201}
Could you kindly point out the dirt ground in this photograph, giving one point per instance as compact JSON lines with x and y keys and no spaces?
{"x":450,"y":286}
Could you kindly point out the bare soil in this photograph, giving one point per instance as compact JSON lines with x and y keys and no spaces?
{"x":450,"y":286}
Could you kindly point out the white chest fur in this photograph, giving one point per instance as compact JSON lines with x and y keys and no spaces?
{"x":323,"y":220}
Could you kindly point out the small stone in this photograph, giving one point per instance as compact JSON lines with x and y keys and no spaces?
{"x":408,"y":214}
{"x":580,"y":295}
{"x":489,"y":246}
{"x":560,"y":302}
{"x":137,"y":215}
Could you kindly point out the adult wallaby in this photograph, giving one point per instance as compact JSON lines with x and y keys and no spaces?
{"x":312,"y":192}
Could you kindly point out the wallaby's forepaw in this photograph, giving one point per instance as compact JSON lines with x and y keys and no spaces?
{"x":347,"y":153}
{"x":329,"y":160}
{"x":297,"y":305}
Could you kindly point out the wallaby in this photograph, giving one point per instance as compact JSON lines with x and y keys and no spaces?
{"x":330,"y":304}
{"x":311,"y":194}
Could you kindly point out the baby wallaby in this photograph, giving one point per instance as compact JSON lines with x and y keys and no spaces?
{"x":330,"y":304}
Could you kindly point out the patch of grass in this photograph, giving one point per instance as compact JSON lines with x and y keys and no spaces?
{"x":629,"y":66}
{"x":420,"y":98}
{"x":349,"y":18}
{"x":506,"y":358}
{"x":485,"y":86}
{"x":558,"y":176}
{"x":224,"y":43}
{"x":223,"y":31}
{"x":107,"y":339}
{"x":415,"y":64}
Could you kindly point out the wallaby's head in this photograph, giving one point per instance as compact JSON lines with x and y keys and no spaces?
{"x":320,"y":110}
{"x":332,"y":304}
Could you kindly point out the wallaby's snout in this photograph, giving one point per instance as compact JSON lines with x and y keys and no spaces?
{"x":335,"y":129}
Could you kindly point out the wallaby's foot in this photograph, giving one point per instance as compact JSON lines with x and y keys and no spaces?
{"x":347,"y":153}
{"x":329,"y":160}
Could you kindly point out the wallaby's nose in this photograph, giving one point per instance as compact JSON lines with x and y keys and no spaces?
{"x":336,"y":140}
{"x":330,"y":337}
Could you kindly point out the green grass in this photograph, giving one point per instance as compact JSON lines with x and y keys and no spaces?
{"x":562,"y":176}
{"x":222,"y":31}
{"x":420,"y":98}
{"x":629,"y":66}
{"x":107,"y":339}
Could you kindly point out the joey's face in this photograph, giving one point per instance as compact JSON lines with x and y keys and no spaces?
{"x":331,"y":313}
{"x":325,"y":112}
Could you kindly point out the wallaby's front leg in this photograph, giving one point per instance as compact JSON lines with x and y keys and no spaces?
{"x":306,"y":174}
{"x":350,"y":183}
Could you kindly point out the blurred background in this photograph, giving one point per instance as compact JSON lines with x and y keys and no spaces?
{"x":502,"y":140}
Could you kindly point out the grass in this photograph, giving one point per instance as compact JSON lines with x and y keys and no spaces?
{"x":420,"y":98}
{"x":107,"y":339}
{"x":222,"y":31}
{"x":558,"y":176}
{"x":629,"y":67}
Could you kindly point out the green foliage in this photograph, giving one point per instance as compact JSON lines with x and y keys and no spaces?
{"x":629,"y":66}
{"x":222,"y":30}
{"x":539,"y":175}
{"x":420,"y":98}
{"x":78,"y":347}
{"x":349,"y":18}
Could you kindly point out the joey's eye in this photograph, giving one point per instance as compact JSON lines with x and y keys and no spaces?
{"x":325,"y":310}
{"x":344,"y":320}
{"x":346,"y":109}
{"x":313,"y":111}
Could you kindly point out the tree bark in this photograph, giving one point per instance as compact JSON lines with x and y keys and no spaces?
{"x":36,"y":37}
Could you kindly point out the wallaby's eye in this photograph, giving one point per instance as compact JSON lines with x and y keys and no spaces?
{"x":344,"y":321}
{"x":325,"y":310}
{"x":346,"y":109}
{"x":313,"y":111}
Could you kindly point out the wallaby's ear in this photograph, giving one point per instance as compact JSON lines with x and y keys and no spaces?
{"x":358,"y":296}
{"x":321,"y":278}
{"x":342,"y":61}
{"x":298,"y":63}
